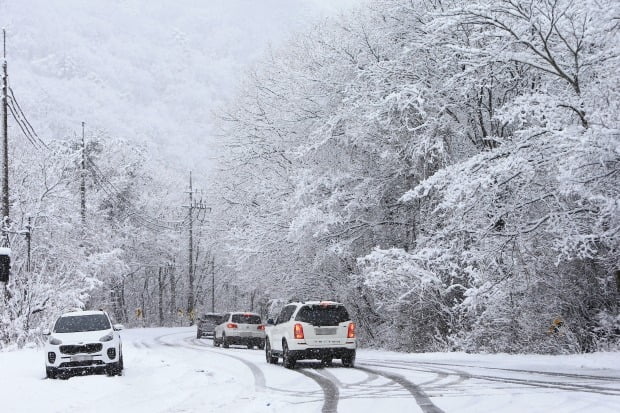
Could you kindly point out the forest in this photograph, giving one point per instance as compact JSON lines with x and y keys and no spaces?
{"x":448,"y":169}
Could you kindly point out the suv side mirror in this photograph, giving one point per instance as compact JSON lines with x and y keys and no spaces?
{"x":270,"y":322}
{"x":118,"y":327}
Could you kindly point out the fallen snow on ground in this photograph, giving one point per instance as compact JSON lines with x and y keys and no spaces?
{"x":169,"y":370}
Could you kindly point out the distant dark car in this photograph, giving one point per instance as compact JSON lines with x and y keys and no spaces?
{"x":206,"y":324}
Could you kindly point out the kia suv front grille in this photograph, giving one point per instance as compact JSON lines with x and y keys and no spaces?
{"x":85,"y":348}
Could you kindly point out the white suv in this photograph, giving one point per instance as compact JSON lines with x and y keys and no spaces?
{"x":83,"y":340}
{"x":320,"y":330}
{"x":239,"y":328}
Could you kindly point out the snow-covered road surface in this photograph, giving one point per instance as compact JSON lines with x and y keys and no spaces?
{"x":169,"y":370}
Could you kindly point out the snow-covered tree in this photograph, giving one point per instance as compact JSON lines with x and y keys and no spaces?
{"x":454,"y":163}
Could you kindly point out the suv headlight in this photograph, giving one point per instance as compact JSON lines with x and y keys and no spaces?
{"x":107,"y":337}
{"x":54,"y":341}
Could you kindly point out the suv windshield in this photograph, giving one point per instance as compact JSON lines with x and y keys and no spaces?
{"x":245,"y":319}
{"x":80,"y":323}
{"x":323,"y":315}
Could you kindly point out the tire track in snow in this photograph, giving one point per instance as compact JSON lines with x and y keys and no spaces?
{"x":440,"y":373}
{"x":259,"y":376}
{"x":331,"y":394}
{"x":159,"y":339}
{"x":330,"y":390}
{"x":421,"y":398}
{"x":364,"y":388}
{"x":551,"y":385}
{"x":328,"y":383}
{"x":546,"y":373}
{"x":197,"y":345}
{"x":589,"y":388}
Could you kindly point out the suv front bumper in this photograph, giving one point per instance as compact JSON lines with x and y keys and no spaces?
{"x":56,"y":359}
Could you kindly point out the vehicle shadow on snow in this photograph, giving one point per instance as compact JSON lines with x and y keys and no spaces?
{"x":66,"y":375}
{"x":243,"y":347}
{"x":317,"y":365}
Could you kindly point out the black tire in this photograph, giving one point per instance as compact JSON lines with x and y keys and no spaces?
{"x":225,"y":343}
{"x":349,"y":361}
{"x":198,"y":334}
{"x":121,"y":363}
{"x":215,"y":342}
{"x":261,"y":344}
{"x":51,"y":372}
{"x":271,"y":359}
{"x":250,"y":346}
{"x":114,"y":369}
{"x":326,"y":361}
{"x":288,"y":360}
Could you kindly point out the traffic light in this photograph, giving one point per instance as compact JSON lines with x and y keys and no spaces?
{"x":5,"y":264}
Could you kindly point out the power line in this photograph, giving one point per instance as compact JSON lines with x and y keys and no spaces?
{"x":100,"y":178}
{"x":28,"y":124}
{"x":113,"y":191}
{"x":21,"y":126}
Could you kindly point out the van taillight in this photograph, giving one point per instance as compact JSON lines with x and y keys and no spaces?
{"x":298,"y":331}
{"x":351,"y":331}
{"x":261,"y":327}
{"x":231,"y":325}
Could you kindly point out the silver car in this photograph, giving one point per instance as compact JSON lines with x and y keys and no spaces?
{"x":240,"y":328}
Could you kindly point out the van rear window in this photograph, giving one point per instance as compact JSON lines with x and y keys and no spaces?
{"x":246,"y":319}
{"x":321,"y":315}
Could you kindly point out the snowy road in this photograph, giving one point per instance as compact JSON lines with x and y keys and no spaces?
{"x":169,"y":370}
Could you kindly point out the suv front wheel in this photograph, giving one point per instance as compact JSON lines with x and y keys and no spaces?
{"x":115,"y":369}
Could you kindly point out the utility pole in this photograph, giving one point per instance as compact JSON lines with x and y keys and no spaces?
{"x":5,"y":251}
{"x":173,"y":289}
{"x":28,"y":242}
{"x":213,"y":284}
{"x":190,"y":300}
{"x":83,"y":180}
{"x":192,"y":206}
{"x":160,"y":284}
{"x":5,"y":133}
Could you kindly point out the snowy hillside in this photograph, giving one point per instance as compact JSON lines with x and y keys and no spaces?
{"x":149,"y":71}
